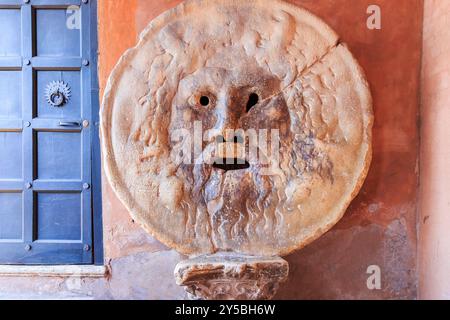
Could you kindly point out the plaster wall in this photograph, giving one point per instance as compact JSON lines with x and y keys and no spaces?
{"x":434,"y":219}
{"x":378,"y":229}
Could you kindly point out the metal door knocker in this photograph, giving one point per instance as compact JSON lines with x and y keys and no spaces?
{"x":57,"y":93}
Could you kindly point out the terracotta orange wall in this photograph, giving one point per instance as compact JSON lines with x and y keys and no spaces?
{"x":122,"y":32}
{"x":434,"y":223}
{"x":380,"y":226}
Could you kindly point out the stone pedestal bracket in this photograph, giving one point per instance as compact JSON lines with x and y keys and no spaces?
{"x":229,"y":276}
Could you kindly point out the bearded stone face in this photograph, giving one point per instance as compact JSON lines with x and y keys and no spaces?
{"x":224,"y":178}
{"x":237,"y":126}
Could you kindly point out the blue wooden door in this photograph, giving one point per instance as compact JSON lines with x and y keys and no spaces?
{"x":46,"y":123}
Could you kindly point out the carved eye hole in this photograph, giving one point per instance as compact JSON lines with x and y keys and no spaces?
{"x":253,"y":100}
{"x":204,"y":101}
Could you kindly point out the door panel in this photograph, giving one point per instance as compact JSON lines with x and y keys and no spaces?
{"x":53,"y":38}
{"x":58,"y":155}
{"x":10,"y":94}
{"x":45,"y":133}
{"x":51,"y":223}
{"x":11,"y":27}
{"x":10,"y":216}
{"x":11,"y":159}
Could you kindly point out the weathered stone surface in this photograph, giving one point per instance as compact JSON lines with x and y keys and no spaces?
{"x":225,"y":276}
{"x":309,"y":88}
{"x":144,"y":275}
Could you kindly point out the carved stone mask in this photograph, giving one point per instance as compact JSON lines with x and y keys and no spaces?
{"x":212,"y":81}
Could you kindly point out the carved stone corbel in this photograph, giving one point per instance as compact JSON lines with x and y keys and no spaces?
{"x":228,"y":276}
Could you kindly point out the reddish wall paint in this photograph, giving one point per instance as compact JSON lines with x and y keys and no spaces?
{"x":380,"y":226}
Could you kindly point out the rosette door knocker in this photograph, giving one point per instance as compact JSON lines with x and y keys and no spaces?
{"x":57,"y":93}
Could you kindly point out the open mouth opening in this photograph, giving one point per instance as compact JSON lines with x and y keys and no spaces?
{"x":231,"y":164}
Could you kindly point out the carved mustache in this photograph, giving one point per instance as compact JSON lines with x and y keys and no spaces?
{"x":232,"y":156}
{"x":236,"y":151}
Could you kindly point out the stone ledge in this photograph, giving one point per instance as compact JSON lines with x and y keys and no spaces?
{"x":87,"y":271}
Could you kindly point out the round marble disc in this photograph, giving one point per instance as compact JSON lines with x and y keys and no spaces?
{"x":207,"y":81}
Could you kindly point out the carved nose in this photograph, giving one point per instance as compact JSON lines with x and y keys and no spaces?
{"x":228,"y":113}
{"x":226,"y":121}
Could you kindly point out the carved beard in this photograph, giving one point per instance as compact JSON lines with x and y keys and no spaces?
{"x":228,"y":206}
{"x":236,"y":203}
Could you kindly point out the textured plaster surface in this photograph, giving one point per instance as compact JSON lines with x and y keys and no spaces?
{"x":377,"y":229}
{"x":434,"y":220}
